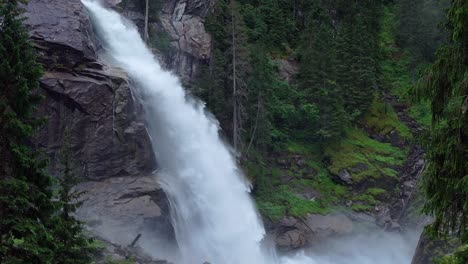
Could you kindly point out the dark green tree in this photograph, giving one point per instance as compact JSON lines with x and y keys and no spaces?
{"x":73,"y":245}
{"x":445,"y":86}
{"x":317,"y":79}
{"x":357,"y":53}
{"x":418,"y":29}
{"x":26,"y":209}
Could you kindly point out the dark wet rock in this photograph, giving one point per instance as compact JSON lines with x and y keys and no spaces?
{"x":108,"y":137}
{"x":61,"y":32}
{"x":396,"y":140}
{"x":393,"y":226}
{"x":93,"y":101}
{"x":288,"y":69}
{"x":429,"y":249}
{"x":301,"y":162}
{"x":345,"y":177}
{"x":120,"y":208}
{"x":294,"y":232}
{"x":360,"y":167}
{"x":291,"y":239}
{"x":119,"y":253}
{"x":184,"y":22}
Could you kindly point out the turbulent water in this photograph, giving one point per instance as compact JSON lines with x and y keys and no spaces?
{"x":214,"y":217}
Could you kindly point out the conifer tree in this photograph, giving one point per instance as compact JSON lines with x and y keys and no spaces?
{"x":26,"y":209}
{"x":239,"y":70}
{"x":357,"y":52}
{"x":317,"y":78}
{"x":445,"y":86}
{"x":73,"y":246}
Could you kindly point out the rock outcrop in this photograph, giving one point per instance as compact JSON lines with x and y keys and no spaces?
{"x":184,"y":21}
{"x":93,"y":101}
{"x":120,"y":208}
{"x":293,"y":233}
{"x":110,"y":145}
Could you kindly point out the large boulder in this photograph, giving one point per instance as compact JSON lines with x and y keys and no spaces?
{"x":120,"y":208}
{"x":294,"y":232}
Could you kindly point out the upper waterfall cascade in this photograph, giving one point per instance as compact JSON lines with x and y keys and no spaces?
{"x":214,"y":217}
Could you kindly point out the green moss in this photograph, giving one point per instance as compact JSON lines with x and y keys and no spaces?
{"x":390,"y":172}
{"x":330,"y":192}
{"x":296,"y":147}
{"x":366,"y":199}
{"x":275,"y":199}
{"x":357,"y":149}
{"x":109,"y":260}
{"x":382,"y":119}
{"x":460,"y":256}
{"x":375,"y":191}
{"x":280,"y":201}
{"x":361,"y":207}
{"x":421,"y":112}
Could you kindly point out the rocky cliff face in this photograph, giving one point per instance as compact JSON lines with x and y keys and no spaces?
{"x":111,"y":149}
{"x":85,"y":96}
{"x":182,"y":21}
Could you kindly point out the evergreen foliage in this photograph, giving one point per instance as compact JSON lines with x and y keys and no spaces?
{"x":418,"y":30}
{"x":317,"y":80}
{"x":445,"y":85}
{"x":33,"y":227}
{"x":357,"y":53}
{"x":26,"y":210}
{"x":73,"y":245}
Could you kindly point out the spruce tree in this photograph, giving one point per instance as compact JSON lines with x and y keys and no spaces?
{"x":357,"y":51}
{"x":73,"y":246}
{"x":26,"y":209}
{"x":445,"y":86}
{"x":317,"y":78}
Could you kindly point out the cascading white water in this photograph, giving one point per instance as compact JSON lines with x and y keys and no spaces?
{"x":213,"y":215}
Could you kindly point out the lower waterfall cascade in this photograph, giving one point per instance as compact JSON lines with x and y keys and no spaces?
{"x":214,"y":217}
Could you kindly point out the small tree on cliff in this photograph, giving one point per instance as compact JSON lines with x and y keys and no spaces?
{"x":73,"y":246}
{"x":26,"y":209}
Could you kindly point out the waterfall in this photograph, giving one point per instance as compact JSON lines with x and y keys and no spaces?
{"x":214,"y":217}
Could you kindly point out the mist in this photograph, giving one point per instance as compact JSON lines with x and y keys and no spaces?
{"x":364,"y":248}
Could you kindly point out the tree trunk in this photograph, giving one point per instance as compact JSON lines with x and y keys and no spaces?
{"x":145,"y":33}
{"x":235,"y":137}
